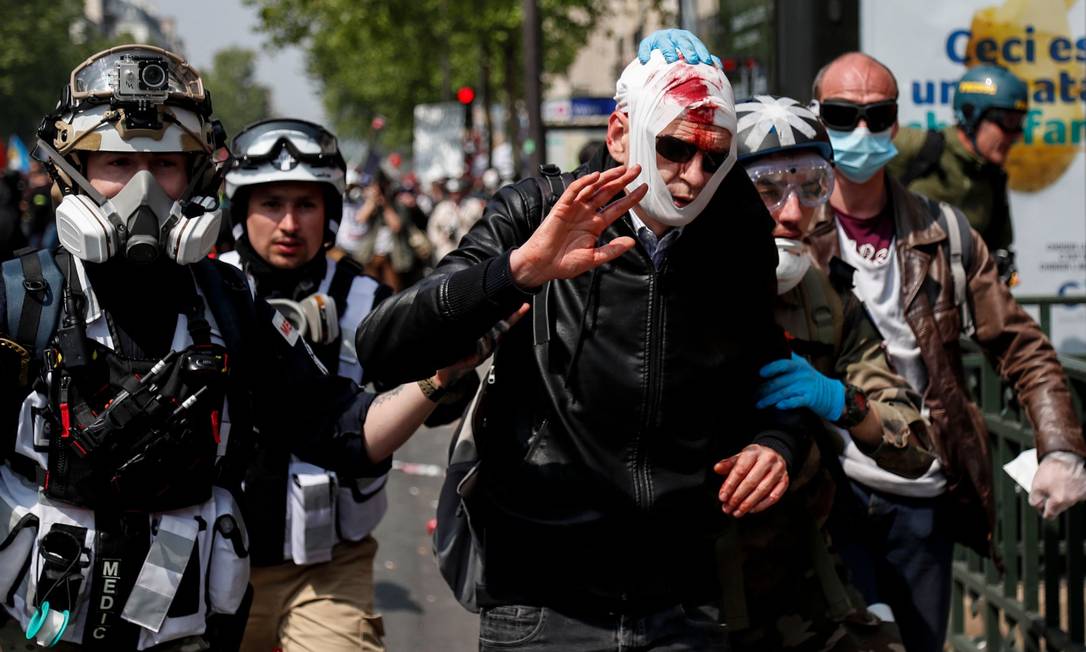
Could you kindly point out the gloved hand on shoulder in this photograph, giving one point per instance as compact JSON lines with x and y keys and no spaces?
{"x":672,"y":42}
{"x":794,"y":383}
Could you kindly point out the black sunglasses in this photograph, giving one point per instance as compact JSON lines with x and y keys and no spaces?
{"x":1008,"y":120}
{"x":844,"y":116}
{"x":681,"y":151}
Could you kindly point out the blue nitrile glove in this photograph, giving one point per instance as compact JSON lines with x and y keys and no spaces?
{"x":794,"y":383}
{"x":672,"y":41}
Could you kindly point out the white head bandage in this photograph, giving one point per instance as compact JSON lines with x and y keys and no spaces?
{"x":653,"y":95}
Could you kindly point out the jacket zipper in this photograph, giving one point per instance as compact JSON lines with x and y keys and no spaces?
{"x":643,"y":494}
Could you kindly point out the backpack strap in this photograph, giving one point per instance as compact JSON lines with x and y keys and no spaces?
{"x":551,"y":186}
{"x":226,"y":290}
{"x":926,"y":159}
{"x":342,"y":279}
{"x":960,"y":240}
{"x":32,"y":287}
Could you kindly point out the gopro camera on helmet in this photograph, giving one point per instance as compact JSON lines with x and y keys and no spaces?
{"x":142,"y":78}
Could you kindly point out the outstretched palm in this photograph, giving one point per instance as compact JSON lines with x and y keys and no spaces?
{"x":564,"y":245}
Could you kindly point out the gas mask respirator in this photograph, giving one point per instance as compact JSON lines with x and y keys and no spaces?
{"x":140,"y":223}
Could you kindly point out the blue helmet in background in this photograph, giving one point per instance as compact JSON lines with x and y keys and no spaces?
{"x":987,"y":87}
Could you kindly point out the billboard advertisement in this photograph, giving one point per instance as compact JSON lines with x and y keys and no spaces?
{"x":929,"y":44}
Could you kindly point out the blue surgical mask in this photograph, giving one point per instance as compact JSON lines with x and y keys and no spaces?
{"x":859,"y":154}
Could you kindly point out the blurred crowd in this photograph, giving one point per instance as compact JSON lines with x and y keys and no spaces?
{"x":398,"y":229}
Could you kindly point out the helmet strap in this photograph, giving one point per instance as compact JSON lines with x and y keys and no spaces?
{"x":53,"y":160}
{"x":972,"y":133}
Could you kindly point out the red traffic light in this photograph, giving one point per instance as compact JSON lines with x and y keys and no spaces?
{"x":465,"y":95}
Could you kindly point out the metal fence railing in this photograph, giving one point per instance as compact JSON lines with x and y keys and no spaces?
{"x":1037,"y":603}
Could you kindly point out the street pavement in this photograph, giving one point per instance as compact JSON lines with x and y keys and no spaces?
{"x":419,"y":611}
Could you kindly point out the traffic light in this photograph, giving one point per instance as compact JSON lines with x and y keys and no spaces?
{"x":466,"y":95}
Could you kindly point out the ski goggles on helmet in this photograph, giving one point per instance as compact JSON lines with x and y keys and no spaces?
{"x":680,"y":151}
{"x":844,"y":116}
{"x":136,"y":73}
{"x":810,"y":177}
{"x":1009,"y":120}
{"x":303,"y":141}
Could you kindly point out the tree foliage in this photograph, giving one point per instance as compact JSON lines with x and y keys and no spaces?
{"x":238,"y":99}
{"x":36,"y":56}
{"x":374,"y":57}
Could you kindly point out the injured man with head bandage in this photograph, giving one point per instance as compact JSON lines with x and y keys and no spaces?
{"x":617,"y":432}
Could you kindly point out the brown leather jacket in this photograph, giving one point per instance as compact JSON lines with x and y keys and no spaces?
{"x":1009,"y":337}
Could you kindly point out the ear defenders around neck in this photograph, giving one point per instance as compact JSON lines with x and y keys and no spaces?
{"x":314,"y":317}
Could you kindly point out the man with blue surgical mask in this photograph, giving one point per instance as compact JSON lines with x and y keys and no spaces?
{"x":927,"y":278}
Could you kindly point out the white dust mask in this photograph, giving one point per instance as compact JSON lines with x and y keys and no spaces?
{"x":792,"y":263}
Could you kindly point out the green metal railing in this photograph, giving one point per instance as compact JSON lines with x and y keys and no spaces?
{"x":1037,"y":602}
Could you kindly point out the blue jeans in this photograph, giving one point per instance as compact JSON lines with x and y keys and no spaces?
{"x":540,"y":628}
{"x":899,"y":553}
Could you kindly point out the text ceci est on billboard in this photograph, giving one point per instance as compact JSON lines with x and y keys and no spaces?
{"x":1023,"y":47}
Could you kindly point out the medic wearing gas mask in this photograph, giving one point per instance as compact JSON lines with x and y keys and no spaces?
{"x":146,"y":373}
{"x":613,"y":410}
{"x":839,"y":371}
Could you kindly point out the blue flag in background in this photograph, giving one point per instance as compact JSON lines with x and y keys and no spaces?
{"x":18,"y":156}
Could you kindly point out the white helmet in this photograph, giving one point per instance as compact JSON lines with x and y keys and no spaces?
{"x":140,"y":99}
{"x":285,"y":149}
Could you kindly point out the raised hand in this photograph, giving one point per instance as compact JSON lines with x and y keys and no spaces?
{"x":565,"y":244}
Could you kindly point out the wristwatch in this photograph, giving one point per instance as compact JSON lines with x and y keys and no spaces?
{"x":856,"y":407}
{"x":431,"y":391}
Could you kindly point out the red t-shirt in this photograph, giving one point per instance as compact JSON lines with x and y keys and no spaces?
{"x":872,"y":237}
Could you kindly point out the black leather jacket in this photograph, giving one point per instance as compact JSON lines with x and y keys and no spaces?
{"x":598,"y":444}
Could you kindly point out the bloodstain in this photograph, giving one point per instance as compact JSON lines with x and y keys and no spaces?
{"x":701,"y":115}
{"x":688,"y":89}
{"x":705,"y":140}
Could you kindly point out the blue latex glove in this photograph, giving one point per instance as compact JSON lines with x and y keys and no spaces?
{"x":794,"y":383}
{"x":673,"y":41}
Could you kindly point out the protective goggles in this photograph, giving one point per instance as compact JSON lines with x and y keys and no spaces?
{"x":680,"y":151}
{"x":809,"y":177}
{"x":305,"y":141}
{"x":136,"y":73}
{"x":844,"y":116}
{"x":1009,"y":120}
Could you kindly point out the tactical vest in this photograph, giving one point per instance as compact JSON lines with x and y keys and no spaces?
{"x":121,"y":532}
{"x":319,"y":509}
